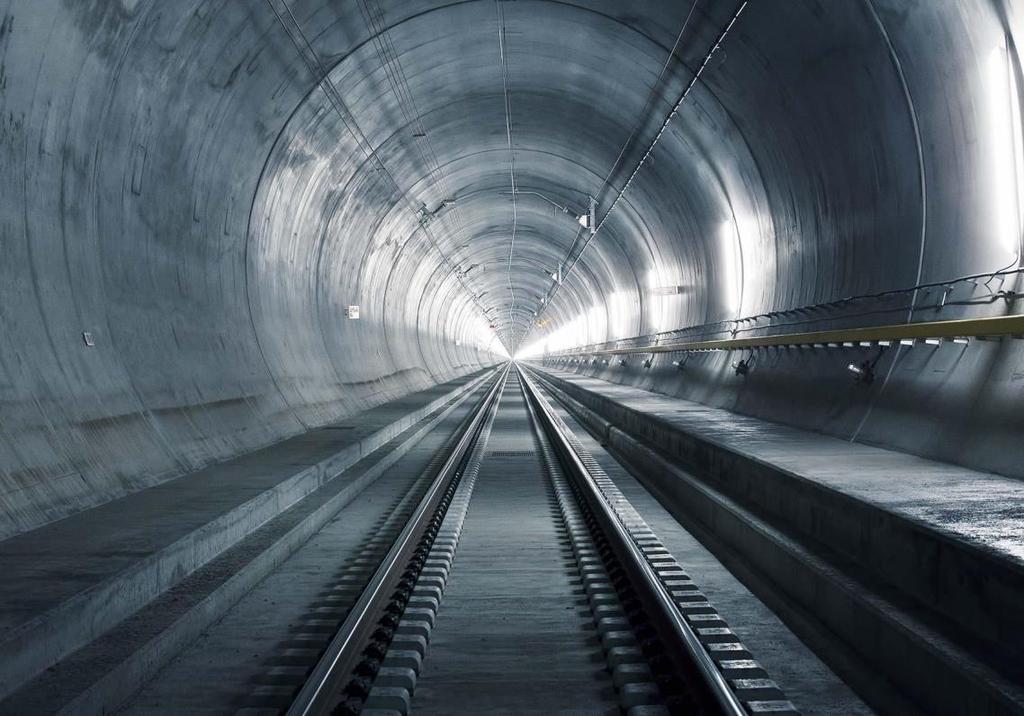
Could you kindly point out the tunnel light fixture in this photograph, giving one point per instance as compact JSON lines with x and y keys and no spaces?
{"x":589,"y":219}
{"x":933,"y":341}
{"x":908,"y":341}
{"x":864,"y":372}
{"x":962,"y":340}
{"x":555,"y":275}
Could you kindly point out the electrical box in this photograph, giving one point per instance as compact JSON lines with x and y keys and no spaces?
{"x":352,"y":312}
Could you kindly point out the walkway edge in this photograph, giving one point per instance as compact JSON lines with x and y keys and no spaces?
{"x":46,"y":639}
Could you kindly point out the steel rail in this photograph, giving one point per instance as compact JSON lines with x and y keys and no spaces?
{"x":960,"y":328}
{"x":322,"y":690}
{"x":680,"y":641}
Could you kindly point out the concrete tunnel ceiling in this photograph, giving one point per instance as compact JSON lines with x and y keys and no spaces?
{"x":468,"y":79}
{"x":192,"y":201}
{"x":809,"y":155}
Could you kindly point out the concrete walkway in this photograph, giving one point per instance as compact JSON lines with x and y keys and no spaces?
{"x":980,"y":508}
{"x":66,"y":582}
{"x":912,"y":562}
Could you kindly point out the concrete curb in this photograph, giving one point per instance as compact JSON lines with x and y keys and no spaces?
{"x":43,"y":641}
{"x":937,"y":674}
{"x":961,"y":581}
{"x":129,"y":676}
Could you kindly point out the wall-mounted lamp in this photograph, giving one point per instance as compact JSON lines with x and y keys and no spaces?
{"x":589,"y":220}
{"x":864,"y":372}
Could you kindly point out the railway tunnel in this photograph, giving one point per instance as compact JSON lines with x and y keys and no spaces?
{"x":511,"y":356}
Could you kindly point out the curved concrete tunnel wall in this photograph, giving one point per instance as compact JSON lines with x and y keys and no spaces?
{"x":855,"y":141}
{"x":176,"y":183}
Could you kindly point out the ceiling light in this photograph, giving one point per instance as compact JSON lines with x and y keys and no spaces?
{"x":589,"y":220}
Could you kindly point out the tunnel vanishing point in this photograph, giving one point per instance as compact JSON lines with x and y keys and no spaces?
{"x":511,"y":356}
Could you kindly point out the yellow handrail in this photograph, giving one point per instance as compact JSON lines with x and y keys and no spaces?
{"x":961,"y":329}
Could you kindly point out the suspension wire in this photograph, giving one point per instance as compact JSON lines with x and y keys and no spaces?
{"x":651,"y":98}
{"x":321,"y":75}
{"x":650,"y":148}
{"x":511,"y":167}
{"x":391,"y":63}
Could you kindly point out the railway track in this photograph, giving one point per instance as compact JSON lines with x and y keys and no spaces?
{"x":513,"y":576}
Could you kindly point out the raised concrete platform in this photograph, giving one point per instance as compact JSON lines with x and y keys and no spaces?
{"x":805,"y":679}
{"x":944,"y":543}
{"x":67,"y":582}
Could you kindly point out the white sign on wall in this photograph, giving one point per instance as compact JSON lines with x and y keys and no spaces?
{"x":352,"y":312}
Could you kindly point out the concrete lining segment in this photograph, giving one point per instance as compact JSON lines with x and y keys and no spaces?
{"x":72,"y":580}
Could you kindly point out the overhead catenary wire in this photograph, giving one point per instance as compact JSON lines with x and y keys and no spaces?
{"x":650,"y":147}
{"x":511,"y":169}
{"x":391,"y":63}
